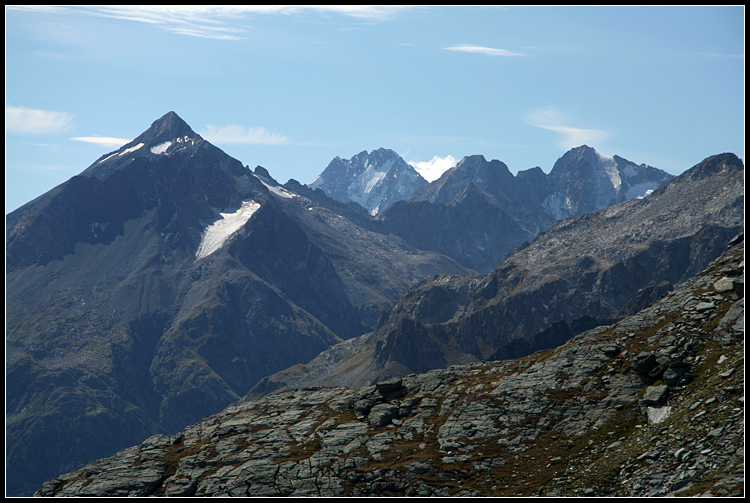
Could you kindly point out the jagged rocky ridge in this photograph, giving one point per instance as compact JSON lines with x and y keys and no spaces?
{"x":650,"y":406}
{"x":122,"y":321}
{"x":486,"y":211}
{"x":580,"y":273}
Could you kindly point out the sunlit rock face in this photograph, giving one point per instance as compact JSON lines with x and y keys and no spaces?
{"x":374,"y":180}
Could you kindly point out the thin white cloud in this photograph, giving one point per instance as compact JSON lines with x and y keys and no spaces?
{"x":210,"y":21}
{"x":34,"y":121}
{"x":432,"y":169}
{"x":242,"y":135}
{"x":718,"y":55}
{"x":477,"y":49}
{"x":552,"y":120}
{"x":104,"y":141}
{"x":368,"y":12}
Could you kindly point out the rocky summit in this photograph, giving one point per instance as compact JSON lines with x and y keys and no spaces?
{"x":374,"y":181}
{"x":650,"y":406}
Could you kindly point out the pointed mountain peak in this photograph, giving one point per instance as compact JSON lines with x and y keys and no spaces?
{"x":479,"y":169}
{"x":265,"y":176}
{"x":576,"y":158}
{"x":169,"y":136}
{"x":166,"y":128}
{"x":583,"y":148}
{"x":476,"y":162}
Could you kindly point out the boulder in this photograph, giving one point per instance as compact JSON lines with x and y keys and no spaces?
{"x":655,"y":395}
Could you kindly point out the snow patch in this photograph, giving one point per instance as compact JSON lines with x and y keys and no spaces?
{"x":131,"y":149}
{"x":644,"y":195}
{"x":641,"y":190}
{"x":161,"y":148}
{"x":279,"y":191}
{"x":609,"y":166}
{"x":108,"y":157}
{"x":557,"y":205}
{"x":218,"y":232}
{"x":658,"y":414}
{"x":374,"y":178}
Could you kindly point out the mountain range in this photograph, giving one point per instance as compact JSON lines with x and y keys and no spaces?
{"x":478,"y":211}
{"x":582,"y":272}
{"x":167,"y":281}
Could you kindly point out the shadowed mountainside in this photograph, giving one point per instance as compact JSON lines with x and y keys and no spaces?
{"x":161,"y":284}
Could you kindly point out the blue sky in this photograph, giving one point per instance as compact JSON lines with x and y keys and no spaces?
{"x":290,"y":88}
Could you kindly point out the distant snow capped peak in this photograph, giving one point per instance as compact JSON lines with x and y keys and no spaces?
{"x":374,"y":180}
{"x":583,"y":180}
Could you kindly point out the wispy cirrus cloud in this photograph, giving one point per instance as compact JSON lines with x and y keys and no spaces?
{"x":432,"y":169}
{"x":21,"y":120}
{"x":551,"y":119}
{"x":104,"y":141}
{"x":478,"y":49}
{"x":213,"y":21}
{"x":719,"y":55}
{"x":242,"y":135}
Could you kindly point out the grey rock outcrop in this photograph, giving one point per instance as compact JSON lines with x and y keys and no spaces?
{"x":579,"y":420}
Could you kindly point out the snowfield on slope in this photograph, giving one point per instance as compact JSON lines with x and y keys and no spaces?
{"x":161,"y":148}
{"x":219,"y":231}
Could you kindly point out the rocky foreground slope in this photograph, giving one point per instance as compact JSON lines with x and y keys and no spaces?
{"x":650,"y":406}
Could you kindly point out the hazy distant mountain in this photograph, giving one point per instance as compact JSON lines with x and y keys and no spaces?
{"x":477,"y":211}
{"x":583,"y":180}
{"x":575,"y":275}
{"x":375,"y":180}
{"x":162,"y":283}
